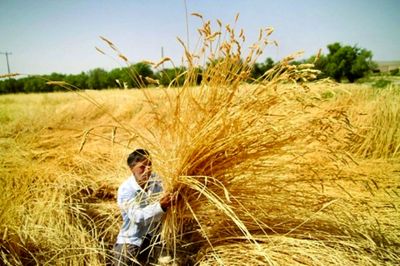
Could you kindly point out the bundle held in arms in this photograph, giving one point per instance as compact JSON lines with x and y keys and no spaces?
{"x":226,"y":146}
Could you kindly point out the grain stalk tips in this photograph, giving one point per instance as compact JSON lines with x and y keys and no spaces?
{"x":9,"y":75}
{"x":129,"y":68}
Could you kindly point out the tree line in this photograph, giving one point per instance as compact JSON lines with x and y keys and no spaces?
{"x":346,"y":62}
{"x":135,"y":76}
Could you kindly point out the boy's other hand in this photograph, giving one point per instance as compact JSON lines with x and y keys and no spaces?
{"x":167,"y":200}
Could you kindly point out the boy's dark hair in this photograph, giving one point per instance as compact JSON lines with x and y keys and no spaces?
{"x":136,"y":156}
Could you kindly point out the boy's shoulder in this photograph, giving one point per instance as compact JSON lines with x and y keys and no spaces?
{"x":127,"y":191}
{"x":128,"y":184}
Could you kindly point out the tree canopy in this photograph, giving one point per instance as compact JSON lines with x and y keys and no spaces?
{"x":345,"y":62}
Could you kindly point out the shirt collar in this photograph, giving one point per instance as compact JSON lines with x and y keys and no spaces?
{"x":135,"y":184}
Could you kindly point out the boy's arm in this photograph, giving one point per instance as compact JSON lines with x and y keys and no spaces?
{"x":130,"y":204}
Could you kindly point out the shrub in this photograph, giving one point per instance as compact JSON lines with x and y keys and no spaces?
{"x":381,"y":83}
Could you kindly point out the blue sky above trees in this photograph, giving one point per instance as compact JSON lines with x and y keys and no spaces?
{"x":47,"y":36}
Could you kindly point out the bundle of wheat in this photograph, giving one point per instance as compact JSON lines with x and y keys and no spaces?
{"x":246,"y":159}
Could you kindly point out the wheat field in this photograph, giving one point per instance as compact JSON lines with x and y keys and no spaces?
{"x":276,"y":171}
{"x":334,"y":202}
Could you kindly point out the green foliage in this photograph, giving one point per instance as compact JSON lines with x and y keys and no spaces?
{"x":133,"y":76}
{"x":260,"y":68}
{"x":345,"y":62}
{"x":97,"y":79}
{"x":395,"y":72}
{"x":118,"y":77}
{"x":137,"y":74}
{"x":35,"y":84}
{"x":327,"y":95}
{"x":366,"y":79}
{"x":11,"y":86}
{"x":78,"y":81}
{"x":381,"y":83}
{"x":172,"y":76}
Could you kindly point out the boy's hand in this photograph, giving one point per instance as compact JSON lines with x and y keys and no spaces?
{"x":167,"y":200}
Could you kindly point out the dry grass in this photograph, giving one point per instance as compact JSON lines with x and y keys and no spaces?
{"x":59,"y":206}
{"x":378,"y":122}
{"x":270,"y":173}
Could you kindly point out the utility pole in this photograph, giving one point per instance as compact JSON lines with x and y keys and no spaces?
{"x":8,"y":64}
{"x":162,"y":56}
{"x":187,"y":25}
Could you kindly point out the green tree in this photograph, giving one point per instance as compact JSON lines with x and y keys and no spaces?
{"x":79,"y":81}
{"x":137,"y":74}
{"x":260,"y":68}
{"x":36,"y":84}
{"x":11,"y":86}
{"x":118,"y":77}
{"x":350,"y":62}
{"x":97,"y":79}
{"x":54,"y":77}
{"x":172,"y":76}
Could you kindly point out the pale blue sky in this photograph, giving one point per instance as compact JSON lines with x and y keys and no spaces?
{"x":47,"y":36}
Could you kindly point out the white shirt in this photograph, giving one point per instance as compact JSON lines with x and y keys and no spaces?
{"x":141,"y":210}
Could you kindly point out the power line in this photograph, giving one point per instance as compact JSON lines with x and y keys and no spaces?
{"x":8,"y":64}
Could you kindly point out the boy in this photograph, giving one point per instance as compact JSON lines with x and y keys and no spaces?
{"x":141,"y":213}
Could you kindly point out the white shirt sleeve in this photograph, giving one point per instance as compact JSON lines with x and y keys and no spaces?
{"x":131,"y":204}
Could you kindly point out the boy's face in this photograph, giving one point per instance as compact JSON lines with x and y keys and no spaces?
{"x":142,"y":172}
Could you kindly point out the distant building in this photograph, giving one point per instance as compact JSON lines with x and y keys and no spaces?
{"x":386,"y":66}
